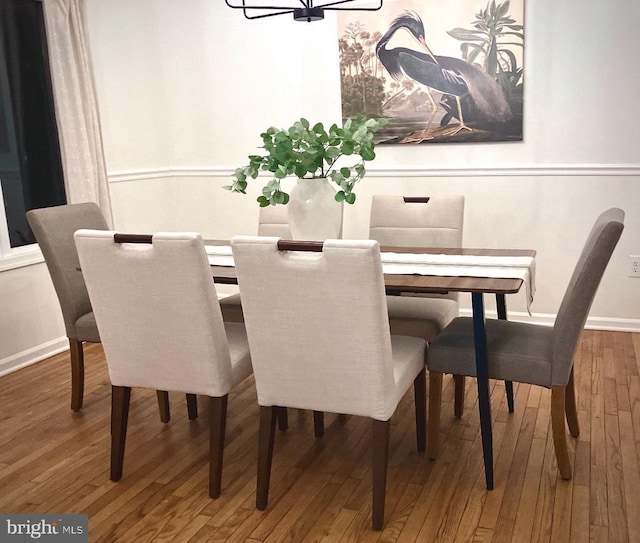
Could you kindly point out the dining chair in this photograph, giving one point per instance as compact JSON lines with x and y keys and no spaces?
{"x":420,"y":221}
{"x":53,"y":228}
{"x":318,"y":330}
{"x":161,"y":328}
{"x":272,"y":221}
{"x":530,"y":353}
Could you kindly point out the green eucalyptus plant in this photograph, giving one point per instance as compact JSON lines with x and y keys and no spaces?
{"x":311,"y":152}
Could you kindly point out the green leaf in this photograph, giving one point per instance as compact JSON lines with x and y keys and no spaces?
{"x":347,"y":148}
{"x":350,"y":198}
{"x":340,"y":196}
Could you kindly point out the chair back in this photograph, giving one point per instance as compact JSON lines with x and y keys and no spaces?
{"x":417,"y":221}
{"x":401,"y":221}
{"x":274,"y":221}
{"x":317,"y":324}
{"x":581,"y":291}
{"x":53,"y":228}
{"x":157,"y":311}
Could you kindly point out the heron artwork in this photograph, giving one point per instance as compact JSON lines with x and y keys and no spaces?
{"x":470,"y":87}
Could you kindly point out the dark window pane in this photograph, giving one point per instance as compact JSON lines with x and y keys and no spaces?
{"x":30,"y":163}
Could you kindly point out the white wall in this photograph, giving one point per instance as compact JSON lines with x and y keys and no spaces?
{"x":226,"y":79}
{"x":185,"y":88}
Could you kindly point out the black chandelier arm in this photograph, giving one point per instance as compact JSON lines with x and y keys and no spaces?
{"x":243,"y":6}
{"x":330,"y":4}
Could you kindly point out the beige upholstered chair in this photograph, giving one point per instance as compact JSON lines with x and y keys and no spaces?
{"x":272,"y":221}
{"x":529,"y":353}
{"x":53,"y":228}
{"x":399,"y":221}
{"x":319,"y":335}
{"x":161,"y":327}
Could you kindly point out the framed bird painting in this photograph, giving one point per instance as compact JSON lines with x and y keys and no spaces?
{"x":439,"y":72}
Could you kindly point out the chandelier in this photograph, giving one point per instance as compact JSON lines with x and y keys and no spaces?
{"x":302,"y":10}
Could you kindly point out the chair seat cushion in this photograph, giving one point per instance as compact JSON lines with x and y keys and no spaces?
{"x":87,"y":329}
{"x":238,"y":352}
{"x":517,"y":351}
{"x":408,"y":362}
{"x":420,"y":317}
{"x":231,"y":307}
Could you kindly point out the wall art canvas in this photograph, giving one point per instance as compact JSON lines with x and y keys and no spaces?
{"x":441,"y":72}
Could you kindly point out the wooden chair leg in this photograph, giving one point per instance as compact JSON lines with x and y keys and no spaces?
{"x":163,"y":405}
{"x":318,"y":423}
{"x":458,"y":402}
{"x":283,"y":418}
{"x":508,"y":386}
{"x":77,"y":373}
{"x":266,"y":436}
{"x":216,"y":443}
{"x":120,"y":399}
{"x":192,"y":406}
{"x":420,"y":401}
{"x":435,"y":399}
{"x":559,"y":434}
{"x":571,"y":410}
{"x":380,"y":454}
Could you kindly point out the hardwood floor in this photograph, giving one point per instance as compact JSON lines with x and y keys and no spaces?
{"x":55,"y":461}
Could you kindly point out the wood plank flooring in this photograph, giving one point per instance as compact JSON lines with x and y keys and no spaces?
{"x":55,"y":461}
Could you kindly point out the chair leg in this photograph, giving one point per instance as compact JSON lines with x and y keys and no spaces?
{"x":559,"y":435}
{"x":435,"y":399}
{"x":266,"y":436}
{"x":77,"y":373}
{"x":570,"y":407}
{"x":318,"y":423}
{"x":458,"y":402}
{"x":283,"y":418}
{"x":192,"y":406}
{"x":420,"y":401}
{"x":508,"y":385}
{"x":163,"y":405}
{"x":380,"y":453}
{"x":216,"y":443}
{"x":120,"y":399}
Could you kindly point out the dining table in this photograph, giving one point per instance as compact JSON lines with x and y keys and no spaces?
{"x":437,"y":270}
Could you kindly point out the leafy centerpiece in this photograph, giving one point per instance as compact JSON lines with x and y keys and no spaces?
{"x":311,"y":152}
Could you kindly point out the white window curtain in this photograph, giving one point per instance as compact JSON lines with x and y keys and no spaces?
{"x":76,"y":104}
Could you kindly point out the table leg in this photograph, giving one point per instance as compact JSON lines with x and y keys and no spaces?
{"x":482,"y":369}
{"x":501,"y":306}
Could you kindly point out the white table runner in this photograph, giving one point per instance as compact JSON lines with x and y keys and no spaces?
{"x":505,"y":267}
{"x":219,"y":255}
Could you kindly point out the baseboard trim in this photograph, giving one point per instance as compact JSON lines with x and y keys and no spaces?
{"x":33,"y":355}
{"x":547,"y":319}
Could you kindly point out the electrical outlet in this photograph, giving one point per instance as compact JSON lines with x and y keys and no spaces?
{"x":634,"y":265}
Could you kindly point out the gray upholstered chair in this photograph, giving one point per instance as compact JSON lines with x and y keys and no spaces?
{"x":272,"y":221}
{"x":53,"y":228}
{"x":319,"y":336}
{"x":530,"y":353}
{"x":161,"y":327}
{"x":399,"y":221}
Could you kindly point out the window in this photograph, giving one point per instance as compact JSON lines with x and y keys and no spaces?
{"x":30,"y":163}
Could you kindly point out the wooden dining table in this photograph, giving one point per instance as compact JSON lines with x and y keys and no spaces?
{"x":398,"y":284}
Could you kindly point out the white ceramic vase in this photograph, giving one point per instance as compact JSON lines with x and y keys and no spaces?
{"x":314,"y":213}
